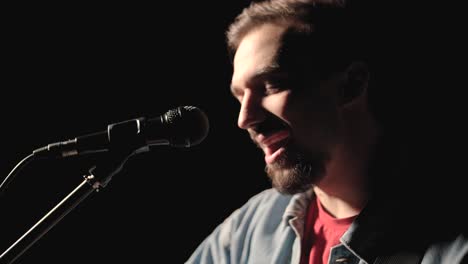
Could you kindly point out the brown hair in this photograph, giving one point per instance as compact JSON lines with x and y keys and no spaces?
{"x":334,"y":27}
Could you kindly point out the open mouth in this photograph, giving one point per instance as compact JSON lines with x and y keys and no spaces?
{"x":272,"y":135}
{"x":273,"y":144}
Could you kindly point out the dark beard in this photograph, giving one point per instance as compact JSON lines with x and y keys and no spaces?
{"x":295,"y":171}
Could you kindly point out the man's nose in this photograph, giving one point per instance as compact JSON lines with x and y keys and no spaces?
{"x":251,"y":112}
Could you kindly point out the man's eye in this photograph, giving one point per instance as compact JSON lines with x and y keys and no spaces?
{"x":272,"y":89}
{"x":275,"y":86}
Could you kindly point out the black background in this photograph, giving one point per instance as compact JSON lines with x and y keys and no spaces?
{"x":71,"y":70}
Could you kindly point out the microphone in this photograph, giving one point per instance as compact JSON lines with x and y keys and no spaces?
{"x":181,"y":127}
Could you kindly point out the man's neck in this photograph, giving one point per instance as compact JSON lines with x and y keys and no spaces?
{"x":343,"y":191}
{"x":340,"y":206}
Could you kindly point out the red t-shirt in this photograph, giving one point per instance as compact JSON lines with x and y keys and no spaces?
{"x":322,"y":232}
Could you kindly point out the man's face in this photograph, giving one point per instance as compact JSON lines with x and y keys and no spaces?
{"x":292,"y":116}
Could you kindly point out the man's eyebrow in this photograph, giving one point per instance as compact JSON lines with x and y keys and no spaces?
{"x":261,"y":74}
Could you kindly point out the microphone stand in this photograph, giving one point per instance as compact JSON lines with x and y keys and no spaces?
{"x":97,"y":177}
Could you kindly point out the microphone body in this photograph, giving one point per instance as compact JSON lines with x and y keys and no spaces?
{"x":182,"y":127}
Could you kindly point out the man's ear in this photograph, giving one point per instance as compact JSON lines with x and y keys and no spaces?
{"x":355,"y":82}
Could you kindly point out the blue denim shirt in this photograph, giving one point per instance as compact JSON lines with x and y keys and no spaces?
{"x":269,"y":229}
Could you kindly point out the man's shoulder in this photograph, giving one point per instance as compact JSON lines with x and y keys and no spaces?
{"x":260,"y":225}
{"x":270,"y":206}
{"x":266,"y":200}
{"x":268,"y":196}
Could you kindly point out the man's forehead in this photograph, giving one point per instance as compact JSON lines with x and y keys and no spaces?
{"x":260,"y":38}
{"x":257,"y":51}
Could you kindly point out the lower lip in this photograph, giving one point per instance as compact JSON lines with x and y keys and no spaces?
{"x":269,"y":159}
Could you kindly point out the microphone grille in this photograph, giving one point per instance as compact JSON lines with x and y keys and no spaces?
{"x":173,"y":115}
{"x":189,"y":124}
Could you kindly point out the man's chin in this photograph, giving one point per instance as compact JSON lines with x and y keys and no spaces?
{"x":287,"y":180}
{"x":291,"y":177}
